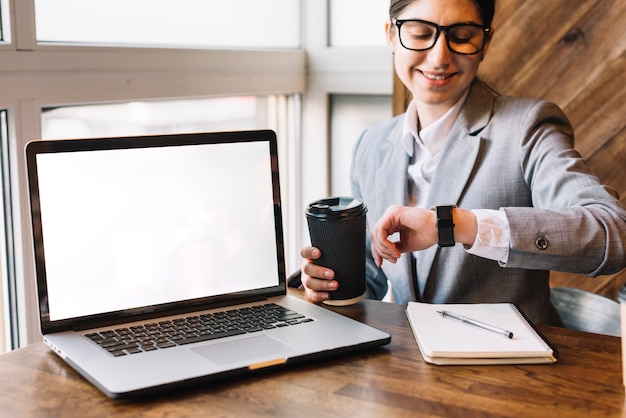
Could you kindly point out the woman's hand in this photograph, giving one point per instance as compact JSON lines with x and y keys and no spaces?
{"x":417,"y":230}
{"x":316,"y":280}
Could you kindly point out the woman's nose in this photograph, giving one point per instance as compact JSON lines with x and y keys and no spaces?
{"x":440,"y":55}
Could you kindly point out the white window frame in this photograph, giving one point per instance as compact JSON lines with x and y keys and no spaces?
{"x":367,"y":71}
{"x":34,"y":76}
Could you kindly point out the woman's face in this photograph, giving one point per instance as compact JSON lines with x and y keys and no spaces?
{"x":437,"y":77}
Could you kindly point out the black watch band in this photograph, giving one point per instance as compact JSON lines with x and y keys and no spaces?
{"x":445,"y":225}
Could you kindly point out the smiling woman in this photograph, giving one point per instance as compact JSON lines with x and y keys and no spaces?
{"x":464,"y":165}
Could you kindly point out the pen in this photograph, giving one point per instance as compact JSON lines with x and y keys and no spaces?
{"x":482,"y":325}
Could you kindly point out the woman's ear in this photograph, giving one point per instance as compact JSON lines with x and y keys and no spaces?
{"x":390,"y":32}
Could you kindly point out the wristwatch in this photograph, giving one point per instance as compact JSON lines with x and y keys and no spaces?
{"x":445,"y":225}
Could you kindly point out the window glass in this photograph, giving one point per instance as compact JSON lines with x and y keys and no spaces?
{"x":350,"y":115}
{"x":159,"y":117}
{"x":4,"y":21}
{"x":357,"y":23}
{"x":8,"y":309}
{"x":191,"y":23}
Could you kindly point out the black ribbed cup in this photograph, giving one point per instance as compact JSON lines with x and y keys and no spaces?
{"x":337,"y":228}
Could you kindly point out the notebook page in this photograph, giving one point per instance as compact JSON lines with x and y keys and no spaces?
{"x":445,"y":337}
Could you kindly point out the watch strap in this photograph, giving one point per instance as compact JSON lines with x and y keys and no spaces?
{"x":445,"y":225}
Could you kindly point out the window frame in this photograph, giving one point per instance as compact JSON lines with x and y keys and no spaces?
{"x":367,"y":71}
{"x":34,"y":76}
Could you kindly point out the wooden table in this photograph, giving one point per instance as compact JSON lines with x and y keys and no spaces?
{"x":391,"y":381}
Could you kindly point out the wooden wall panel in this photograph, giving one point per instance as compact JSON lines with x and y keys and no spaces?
{"x":571,"y":52}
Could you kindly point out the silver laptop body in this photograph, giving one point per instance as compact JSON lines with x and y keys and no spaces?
{"x":137,"y":233}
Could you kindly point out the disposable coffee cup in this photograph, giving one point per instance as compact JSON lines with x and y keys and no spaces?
{"x":622,"y":300}
{"x":337,"y":228}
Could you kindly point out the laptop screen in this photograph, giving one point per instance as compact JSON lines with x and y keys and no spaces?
{"x":133,"y":227}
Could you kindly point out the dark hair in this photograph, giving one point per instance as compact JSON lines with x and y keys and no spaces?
{"x":487,"y":9}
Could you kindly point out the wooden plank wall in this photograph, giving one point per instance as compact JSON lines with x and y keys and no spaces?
{"x":571,"y":52}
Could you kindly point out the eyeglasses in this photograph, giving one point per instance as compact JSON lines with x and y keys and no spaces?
{"x":461,"y":38}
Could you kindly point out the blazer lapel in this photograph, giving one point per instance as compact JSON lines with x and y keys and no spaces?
{"x":457,"y":162}
{"x":394,"y":162}
{"x":392,"y":189}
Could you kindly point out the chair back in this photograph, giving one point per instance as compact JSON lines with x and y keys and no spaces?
{"x":587,"y":311}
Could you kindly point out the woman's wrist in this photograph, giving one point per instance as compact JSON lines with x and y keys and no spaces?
{"x":465,"y":226}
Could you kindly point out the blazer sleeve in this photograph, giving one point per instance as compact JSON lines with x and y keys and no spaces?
{"x":575,"y":223}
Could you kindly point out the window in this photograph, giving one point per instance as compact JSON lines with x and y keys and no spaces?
{"x":139,"y":70}
{"x":152,"y":117}
{"x":350,"y":115}
{"x":8,"y":310}
{"x":4,"y":21}
{"x":338,"y":65}
{"x":51,"y":89}
{"x":357,"y":23}
{"x":186,"y":23}
{"x":188,"y":115}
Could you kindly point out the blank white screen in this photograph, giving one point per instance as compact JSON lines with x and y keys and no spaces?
{"x":139,"y":227}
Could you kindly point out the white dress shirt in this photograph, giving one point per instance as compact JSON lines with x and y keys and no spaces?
{"x":424,"y":149}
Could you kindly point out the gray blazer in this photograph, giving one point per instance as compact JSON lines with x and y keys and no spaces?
{"x":502,"y":152}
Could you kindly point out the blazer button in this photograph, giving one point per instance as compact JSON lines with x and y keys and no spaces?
{"x":541,"y":243}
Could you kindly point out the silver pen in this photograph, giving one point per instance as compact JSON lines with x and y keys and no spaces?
{"x":478,"y":324}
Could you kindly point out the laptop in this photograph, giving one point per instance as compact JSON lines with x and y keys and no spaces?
{"x":160,"y":262}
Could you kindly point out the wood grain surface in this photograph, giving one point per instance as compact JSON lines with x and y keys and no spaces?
{"x":392,"y":381}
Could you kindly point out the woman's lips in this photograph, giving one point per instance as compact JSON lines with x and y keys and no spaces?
{"x":437,"y":79}
{"x":436,"y":76}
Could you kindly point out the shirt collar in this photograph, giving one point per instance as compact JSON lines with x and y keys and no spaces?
{"x":439,"y":129}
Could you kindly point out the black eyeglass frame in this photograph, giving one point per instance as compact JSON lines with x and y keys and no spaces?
{"x":445,"y":29}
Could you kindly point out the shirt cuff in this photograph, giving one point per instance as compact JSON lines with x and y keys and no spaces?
{"x":493,"y":237}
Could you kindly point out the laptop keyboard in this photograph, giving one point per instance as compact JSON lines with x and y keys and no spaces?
{"x":196,"y":328}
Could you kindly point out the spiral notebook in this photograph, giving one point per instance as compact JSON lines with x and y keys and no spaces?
{"x":443,"y":340}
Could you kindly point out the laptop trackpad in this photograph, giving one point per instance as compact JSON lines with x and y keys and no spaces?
{"x":248,"y":350}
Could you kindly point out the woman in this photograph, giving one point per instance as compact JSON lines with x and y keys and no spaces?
{"x":501,"y":173}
